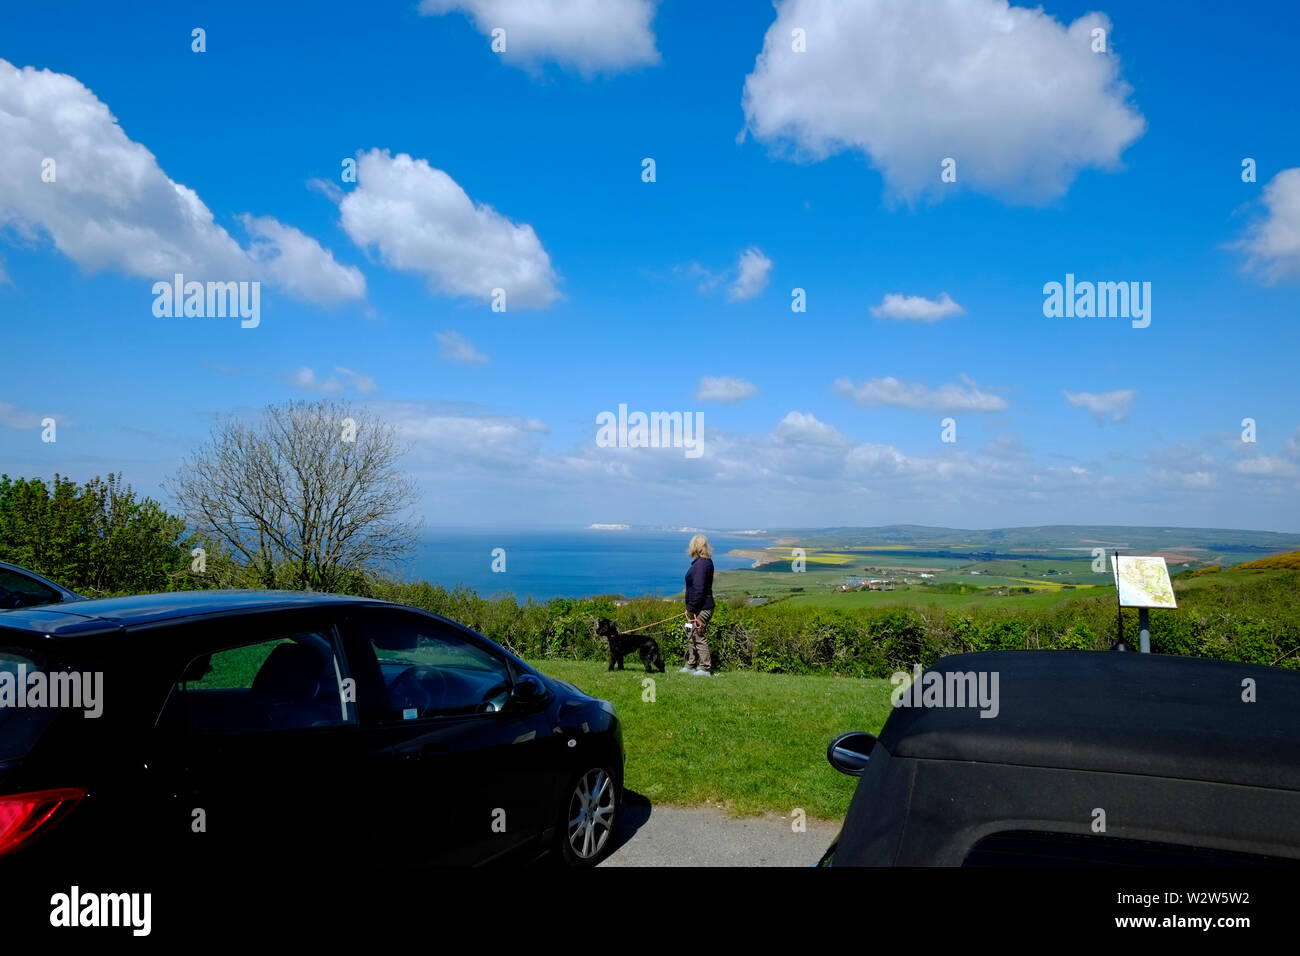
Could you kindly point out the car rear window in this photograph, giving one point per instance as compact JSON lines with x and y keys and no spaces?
{"x":20,"y":727}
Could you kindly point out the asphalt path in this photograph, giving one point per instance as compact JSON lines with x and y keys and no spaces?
{"x":647,"y":835}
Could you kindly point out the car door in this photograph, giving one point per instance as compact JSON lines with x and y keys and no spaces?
{"x":261,"y":749}
{"x":471,"y":758}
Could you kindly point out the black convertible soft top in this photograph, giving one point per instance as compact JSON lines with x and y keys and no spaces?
{"x":1151,"y":714}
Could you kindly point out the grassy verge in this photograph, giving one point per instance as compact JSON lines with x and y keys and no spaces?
{"x":750,"y":743}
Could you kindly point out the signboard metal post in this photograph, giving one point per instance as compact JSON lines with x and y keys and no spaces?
{"x":1143,"y":583}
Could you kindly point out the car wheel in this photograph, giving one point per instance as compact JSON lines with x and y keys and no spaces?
{"x":586,"y":830}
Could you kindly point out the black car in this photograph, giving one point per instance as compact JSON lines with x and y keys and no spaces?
{"x":1086,"y":759}
{"x":22,"y":588}
{"x":196,"y":728}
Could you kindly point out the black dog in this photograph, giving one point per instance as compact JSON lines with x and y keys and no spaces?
{"x":620,"y":644}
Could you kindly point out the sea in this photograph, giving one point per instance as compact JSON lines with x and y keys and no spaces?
{"x":578,"y":563}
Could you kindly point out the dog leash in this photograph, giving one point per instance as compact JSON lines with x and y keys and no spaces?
{"x":651,"y":624}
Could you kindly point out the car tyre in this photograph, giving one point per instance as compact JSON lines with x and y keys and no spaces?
{"x":588,"y":816}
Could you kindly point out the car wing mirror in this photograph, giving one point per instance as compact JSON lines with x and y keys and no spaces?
{"x":527,"y":690}
{"x":848,"y":753}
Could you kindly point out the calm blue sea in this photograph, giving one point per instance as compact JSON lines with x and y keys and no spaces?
{"x":546,"y":564}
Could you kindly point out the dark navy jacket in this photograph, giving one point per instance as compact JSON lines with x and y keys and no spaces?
{"x":699,"y":586}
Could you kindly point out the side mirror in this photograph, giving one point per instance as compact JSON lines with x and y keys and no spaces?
{"x":848,"y":753}
{"x":527,"y":690}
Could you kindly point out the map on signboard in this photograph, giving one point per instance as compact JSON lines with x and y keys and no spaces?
{"x":1142,"y":582}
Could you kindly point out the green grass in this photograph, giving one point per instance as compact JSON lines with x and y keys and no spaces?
{"x":1231,"y":578}
{"x":750,"y":743}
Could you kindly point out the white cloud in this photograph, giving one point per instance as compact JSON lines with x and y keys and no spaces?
{"x":1267,"y":467}
{"x":305,"y":377}
{"x":361,"y":383}
{"x":456,"y":348}
{"x":421,"y":221}
{"x":1019,"y":100}
{"x":747,"y":280}
{"x":807,"y":429}
{"x":457,"y":435}
{"x":1273,"y":244}
{"x":751,"y":275}
{"x":1114,"y":404}
{"x":707,"y":279}
{"x":112,"y":207}
{"x":916,"y":308}
{"x":590,"y":36}
{"x":299,"y":264}
{"x":13,"y":417}
{"x":953,"y":397}
{"x":724,"y":389}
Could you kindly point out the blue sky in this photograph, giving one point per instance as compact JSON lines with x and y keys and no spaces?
{"x":1115,"y":166}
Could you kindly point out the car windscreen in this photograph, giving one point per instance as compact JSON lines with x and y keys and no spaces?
{"x":21,"y":724}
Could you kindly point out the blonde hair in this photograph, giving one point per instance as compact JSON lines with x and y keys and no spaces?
{"x":699,"y":547}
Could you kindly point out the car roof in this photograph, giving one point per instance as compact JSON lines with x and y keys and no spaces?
{"x":1151,"y":714}
{"x":106,"y":614}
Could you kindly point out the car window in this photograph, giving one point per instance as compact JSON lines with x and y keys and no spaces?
{"x":286,"y":683}
{"x":20,"y":727}
{"x":431,"y":671}
{"x":18,"y":590}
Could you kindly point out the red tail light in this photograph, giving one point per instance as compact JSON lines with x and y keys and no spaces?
{"x":23,"y":816}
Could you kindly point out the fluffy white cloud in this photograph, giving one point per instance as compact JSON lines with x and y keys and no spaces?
{"x":1273,"y":244}
{"x":421,"y":221}
{"x":916,"y":308}
{"x":803,"y":428}
{"x":1115,"y":404}
{"x":1020,"y":101}
{"x":724,"y":389}
{"x":590,"y":36}
{"x":456,"y":348}
{"x":751,"y":275}
{"x":112,"y":207}
{"x":953,"y":397}
{"x":299,"y":264}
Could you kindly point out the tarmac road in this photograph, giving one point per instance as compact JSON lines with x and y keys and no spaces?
{"x":703,"y":836}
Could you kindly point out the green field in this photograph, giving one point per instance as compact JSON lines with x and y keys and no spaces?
{"x":749,"y":743}
{"x":1029,"y":568}
{"x":1032,"y":582}
{"x":926,"y":598}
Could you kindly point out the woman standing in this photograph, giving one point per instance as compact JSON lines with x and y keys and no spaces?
{"x":699,"y":606}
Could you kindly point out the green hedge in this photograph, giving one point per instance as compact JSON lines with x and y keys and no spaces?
{"x":1255,"y":621}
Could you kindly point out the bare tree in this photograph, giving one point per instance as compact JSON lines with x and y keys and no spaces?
{"x":311,"y":492}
